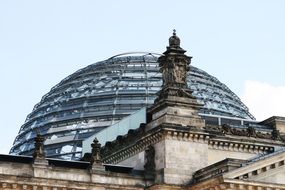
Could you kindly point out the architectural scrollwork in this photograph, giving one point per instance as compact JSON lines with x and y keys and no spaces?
{"x":250,"y":131}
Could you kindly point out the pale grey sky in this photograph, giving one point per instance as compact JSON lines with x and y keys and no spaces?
{"x":240,"y":42}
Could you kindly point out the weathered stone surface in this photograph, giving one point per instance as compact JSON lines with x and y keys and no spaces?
{"x":276,"y":122}
{"x":176,"y":161}
{"x":30,"y":176}
{"x":277,"y":176}
{"x":137,"y":161}
{"x":176,"y":115}
{"x":218,"y":155}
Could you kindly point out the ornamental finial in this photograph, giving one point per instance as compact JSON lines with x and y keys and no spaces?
{"x":39,"y":147}
{"x":95,"y":154}
{"x":174,"y":40}
{"x":39,"y":153}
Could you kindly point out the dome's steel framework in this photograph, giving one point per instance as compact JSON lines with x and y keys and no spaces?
{"x":103,"y":93}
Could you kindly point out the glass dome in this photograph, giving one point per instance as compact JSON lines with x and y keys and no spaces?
{"x":103,"y":93}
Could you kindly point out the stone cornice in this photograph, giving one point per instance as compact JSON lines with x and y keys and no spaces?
{"x":166,"y":187}
{"x":216,"y":169}
{"x":259,"y":166}
{"x":250,"y":185}
{"x":221,"y":183}
{"x":138,"y":140}
{"x":242,"y":169}
{"x":129,"y":148}
{"x":246,"y":131}
{"x":235,"y":145}
{"x":28,"y":183}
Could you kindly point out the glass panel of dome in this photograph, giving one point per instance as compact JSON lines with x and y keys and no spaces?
{"x":145,"y":79}
{"x":211,"y":120}
{"x":230,"y":121}
{"x":66,"y":157}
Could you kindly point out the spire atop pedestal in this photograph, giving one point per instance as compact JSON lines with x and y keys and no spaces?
{"x":96,"y":156}
{"x":96,"y":159}
{"x":39,"y":147}
{"x":175,"y":103}
{"x":174,"y":64}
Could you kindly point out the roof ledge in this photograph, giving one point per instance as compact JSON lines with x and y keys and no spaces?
{"x":275,"y":122}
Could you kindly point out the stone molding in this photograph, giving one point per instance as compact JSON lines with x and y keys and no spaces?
{"x":132,"y":149}
{"x":151,"y":138}
{"x":166,"y":187}
{"x":190,"y":134}
{"x":239,"y":146}
{"x":258,"y":167}
{"x":26,"y":186}
{"x":35,"y":186}
{"x":233,"y":184}
{"x":250,"y":185}
{"x":216,"y":169}
{"x":246,"y":131}
{"x":60,"y":179}
{"x":241,"y":169}
{"x":263,"y":170}
{"x":243,"y":177}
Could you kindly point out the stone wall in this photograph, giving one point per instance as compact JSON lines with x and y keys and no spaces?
{"x":137,"y":161}
{"x":218,"y":155}
{"x":176,"y":160}
{"x":29,"y":176}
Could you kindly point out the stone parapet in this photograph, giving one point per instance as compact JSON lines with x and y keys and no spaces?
{"x":21,"y":173}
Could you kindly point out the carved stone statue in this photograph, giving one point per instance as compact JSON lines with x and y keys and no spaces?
{"x":175,"y":102}
{"x":174,"y":64}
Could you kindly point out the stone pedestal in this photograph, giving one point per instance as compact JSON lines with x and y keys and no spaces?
{"x":176,"y":110}
{"x":177,"y":156}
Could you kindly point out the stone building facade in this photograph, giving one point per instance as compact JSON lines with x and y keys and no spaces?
{"x":174,"y":149}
